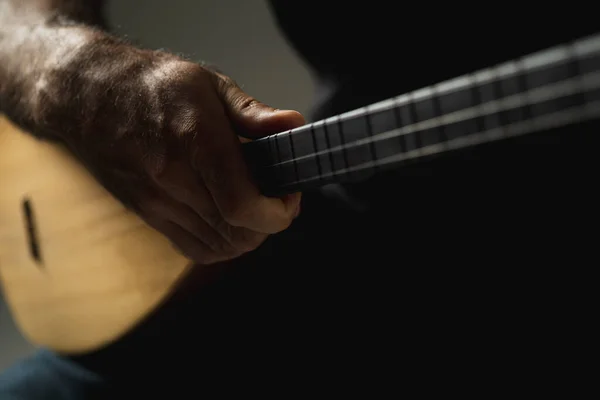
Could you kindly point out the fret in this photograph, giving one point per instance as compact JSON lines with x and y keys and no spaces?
{"x":322,"y":144}
{"x":290,"y":140}
{"x":498,"y":94}
{"x":337,"y":139}
{"x":509,"y":86}
{"x":524,"y":88}
{"x":402,"y":145}
{"x":314,"y":142}
{"x":574,"y":73}
{"x":437,"y":112}
{"x":487,"y":95}
{"x":371,"y":141}
{"x":425,"y":108}
{"x":384,"y":121}
{"x":466,"y":98}
{"x":354,"y":128}
{"x":276,"y":176}
{"x":412,"y":117}
{"x":303,"y":146}
{"x":475,"y":97}
{"x":284,"y":146}
{"x":407,"y":117}
{"x":333,"y":140}
{"x":286,"y":169}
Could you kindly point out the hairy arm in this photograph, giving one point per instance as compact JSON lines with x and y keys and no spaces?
{"x":37,"y":38}
{"x":41,"y":43}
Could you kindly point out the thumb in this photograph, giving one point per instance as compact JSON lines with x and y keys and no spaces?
{"x":251,"y":117}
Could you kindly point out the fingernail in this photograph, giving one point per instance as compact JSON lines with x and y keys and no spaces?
{"x":279,"y":110}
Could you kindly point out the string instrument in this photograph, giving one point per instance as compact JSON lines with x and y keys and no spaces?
{"x":79,"y":270}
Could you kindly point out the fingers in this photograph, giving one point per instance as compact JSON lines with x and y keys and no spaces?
{"x":217,"y":158}
{"x":191,"y":201}
{"x":188,"y":244}
{"x":220,"y":189}
{"x":251,"y":117}
{"x":234,"y":243}
{"x":166,"y":209}
{"x":236,"y":196}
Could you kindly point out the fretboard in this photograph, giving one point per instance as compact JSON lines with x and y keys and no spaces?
{"x":556,"y":87}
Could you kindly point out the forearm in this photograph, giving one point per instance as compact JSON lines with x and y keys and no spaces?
{"x":39,"y":40}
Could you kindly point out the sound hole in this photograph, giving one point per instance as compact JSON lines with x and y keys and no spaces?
{"x":31,"y":231}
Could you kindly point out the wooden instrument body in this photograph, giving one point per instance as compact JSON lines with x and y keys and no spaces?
{"x":101,"y":268}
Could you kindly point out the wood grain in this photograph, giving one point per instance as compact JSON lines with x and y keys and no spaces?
{"x":103,"y":269}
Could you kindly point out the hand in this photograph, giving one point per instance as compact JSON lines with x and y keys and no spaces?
{"x":161,"y":134}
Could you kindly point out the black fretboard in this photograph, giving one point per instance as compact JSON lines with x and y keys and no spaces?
{"x":552,"y":88}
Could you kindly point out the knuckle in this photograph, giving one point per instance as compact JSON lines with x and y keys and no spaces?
{"x":220,"y":225}
{"x":242,"y":101}
{"x":223,"y":247}
{"x":225,"y":81}
{"x":245,"y":240}
{"x":244,"y":246}
{"x":237,"y":213}
{"x":219,"y":240}
{"x":231,"y":240}
{"x":250,"y":241}
{"x":185,"y":121}
{"x":156,"y":165}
